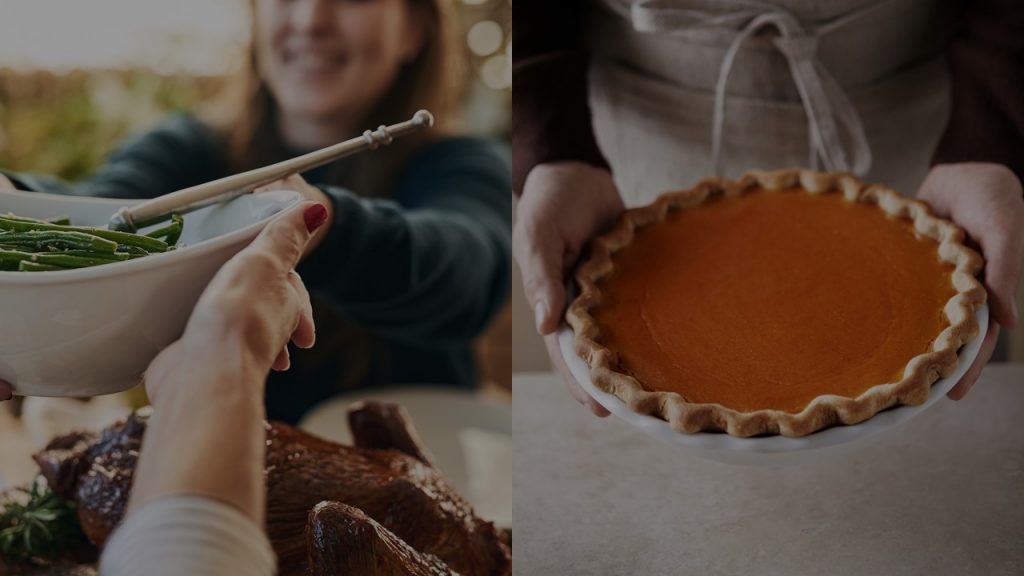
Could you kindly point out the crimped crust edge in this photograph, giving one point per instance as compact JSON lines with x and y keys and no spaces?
{"x":920,"y":373}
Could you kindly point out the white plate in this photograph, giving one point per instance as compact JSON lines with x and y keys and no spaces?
{"x":772,"y":450}
{"x":470,"y":439}
{"x":93,"y":331}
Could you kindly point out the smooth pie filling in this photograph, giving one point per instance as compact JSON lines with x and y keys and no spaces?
{"x":770,"y":299}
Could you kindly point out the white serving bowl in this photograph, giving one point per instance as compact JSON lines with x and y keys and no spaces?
{"x":93,"y":331}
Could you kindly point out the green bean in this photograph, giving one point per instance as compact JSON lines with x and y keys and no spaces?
{"x":9,"y":259}
{"x":133,"y":251}
{"x":150,"y":244}
{"x":42,"y":239}
{"x":171,"y":232}
{"x":66,"y":261}
{"x":35,"y":245}
{"x":110,"y":256}
{"x":28,"y":266}
{"x":12,"y":259}
{"x":62,"y":220}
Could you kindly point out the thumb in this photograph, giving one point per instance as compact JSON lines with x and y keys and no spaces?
{"x":541,"y":263}
{"x":286,"y":236}
{"x":1002,"y":273}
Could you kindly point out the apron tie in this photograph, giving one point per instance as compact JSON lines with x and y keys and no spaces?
{"x":826,"y":105}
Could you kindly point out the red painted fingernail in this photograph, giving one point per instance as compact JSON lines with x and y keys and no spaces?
{"x":315,"y":216}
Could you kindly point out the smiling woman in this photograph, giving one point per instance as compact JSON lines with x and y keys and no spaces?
{"x":327,"y":65}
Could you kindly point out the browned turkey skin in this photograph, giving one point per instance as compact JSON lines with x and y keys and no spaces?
{"x":377,"y":508}
{"x":343,"y":540}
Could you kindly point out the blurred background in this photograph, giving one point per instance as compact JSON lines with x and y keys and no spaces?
{"x":77,"y":77}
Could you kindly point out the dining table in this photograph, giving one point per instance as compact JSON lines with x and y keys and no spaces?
{"x":941,"y":494}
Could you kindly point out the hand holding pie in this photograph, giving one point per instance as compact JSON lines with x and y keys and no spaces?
{"x":562,"y":207}
{"x":986,"y":200}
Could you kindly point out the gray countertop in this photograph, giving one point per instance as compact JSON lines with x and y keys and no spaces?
{"x":942,"y":494}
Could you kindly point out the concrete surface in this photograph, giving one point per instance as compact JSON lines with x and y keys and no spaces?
{"x":944,"y":494}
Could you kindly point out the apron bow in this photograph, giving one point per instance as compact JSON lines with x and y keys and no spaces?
{"x":824,"y":101}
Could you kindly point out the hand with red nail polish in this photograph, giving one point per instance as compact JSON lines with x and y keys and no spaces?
{"x":309,"y":192}
{"x":315,"y":216}
{"x":563,"y":206}
{"x":207,"y":388}
{"x":986,"y":201}
{"x":252,"y":308}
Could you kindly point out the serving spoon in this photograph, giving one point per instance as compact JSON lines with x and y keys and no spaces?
{"x":132,"y":218}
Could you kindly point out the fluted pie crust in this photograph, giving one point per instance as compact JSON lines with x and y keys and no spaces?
{"x":910,"y":386}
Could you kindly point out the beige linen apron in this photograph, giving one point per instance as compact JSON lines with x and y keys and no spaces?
{"x":684,"y":89}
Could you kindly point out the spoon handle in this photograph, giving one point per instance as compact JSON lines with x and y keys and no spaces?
{"x":130,"y":219}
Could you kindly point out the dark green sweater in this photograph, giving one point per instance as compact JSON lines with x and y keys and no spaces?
{"x":423,"y":272}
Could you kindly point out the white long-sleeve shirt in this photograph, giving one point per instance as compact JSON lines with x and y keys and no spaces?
{"x":191,"y":535}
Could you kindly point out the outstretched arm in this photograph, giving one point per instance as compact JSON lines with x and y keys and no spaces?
{"x":432,"y":263}
{"x":197,"y":501}
{"x":178,"y":153}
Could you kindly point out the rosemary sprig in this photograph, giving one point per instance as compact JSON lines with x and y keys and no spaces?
{"x":36,"y":524}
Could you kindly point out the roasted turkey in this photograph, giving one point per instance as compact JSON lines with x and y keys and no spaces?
{"x":377,"y":508}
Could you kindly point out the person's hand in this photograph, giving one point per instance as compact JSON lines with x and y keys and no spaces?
{"x":6,"y":184}
{"x":207,"y":387}
{"x":987,"y":202}
{"x":563,"y":206}
{"x":309,"y":192}
{"x":255,"y":303}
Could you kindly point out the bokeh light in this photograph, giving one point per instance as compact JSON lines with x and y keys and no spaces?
{"x":485,"y":37}
{"x":496,"y":73}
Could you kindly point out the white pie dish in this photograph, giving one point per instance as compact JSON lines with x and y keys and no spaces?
{"x":775,"y":450}
{"x":93,"y":331}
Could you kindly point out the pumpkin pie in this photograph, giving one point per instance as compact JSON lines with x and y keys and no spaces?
{"x":779,"y":303}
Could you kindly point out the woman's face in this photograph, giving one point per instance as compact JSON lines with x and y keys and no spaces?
{"x":324,"y":58}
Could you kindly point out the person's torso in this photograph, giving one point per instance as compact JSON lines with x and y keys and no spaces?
{"x":657,"y":64}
